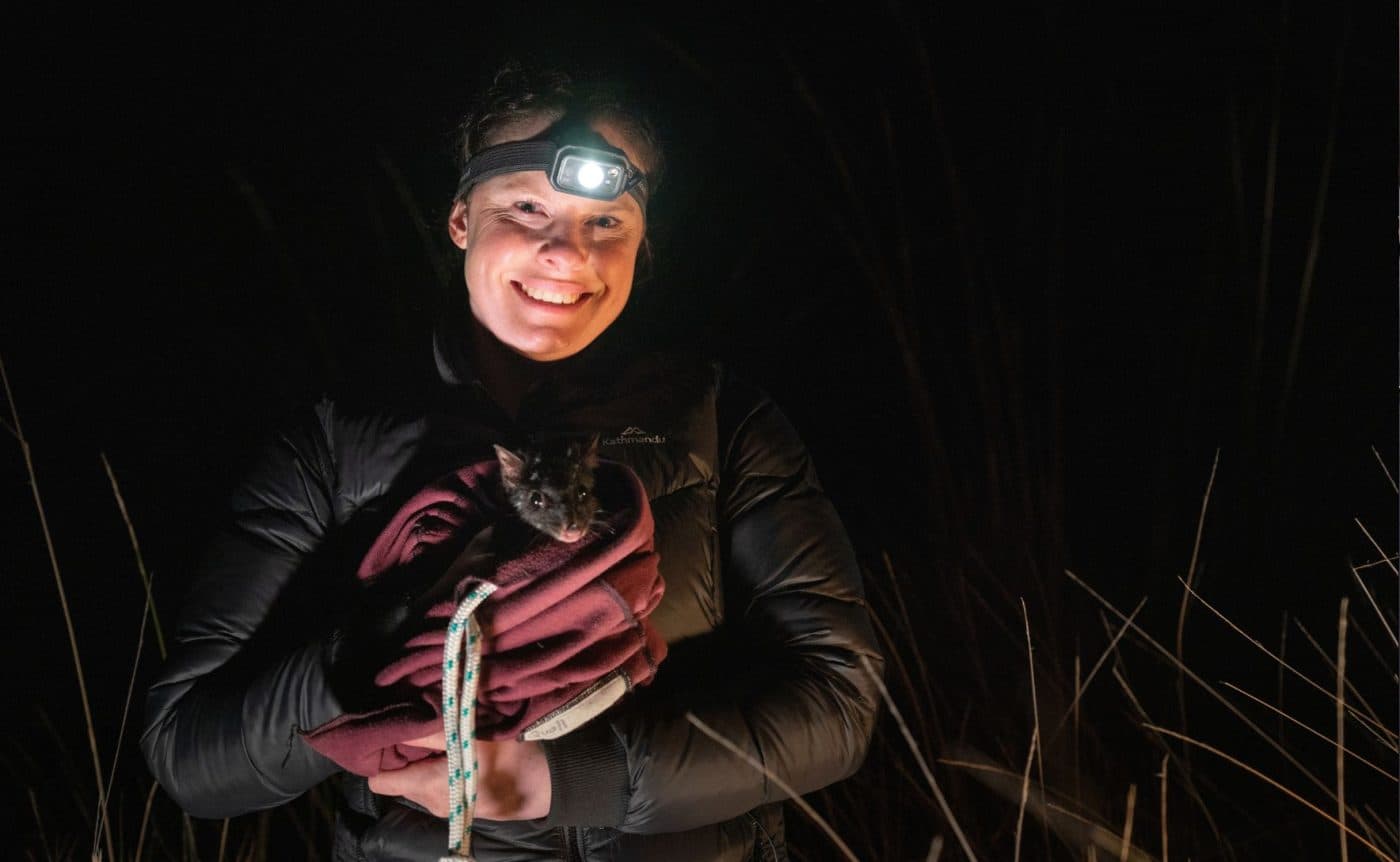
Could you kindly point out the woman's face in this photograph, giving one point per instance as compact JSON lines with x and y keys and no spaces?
{"x":547,"y":272}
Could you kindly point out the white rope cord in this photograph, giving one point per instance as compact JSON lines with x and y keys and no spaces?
{"x":459,"y":681}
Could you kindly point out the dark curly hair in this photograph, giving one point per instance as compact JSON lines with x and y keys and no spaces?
{"x":519,"y":95}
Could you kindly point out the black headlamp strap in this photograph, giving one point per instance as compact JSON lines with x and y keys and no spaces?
{"x":505,"y":159}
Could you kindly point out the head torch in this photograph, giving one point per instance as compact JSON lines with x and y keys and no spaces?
{"x":599,"y":172}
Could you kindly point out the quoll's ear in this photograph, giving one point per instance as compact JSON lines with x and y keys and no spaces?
{"x":512,"y":465}
{"x":590,"y":449}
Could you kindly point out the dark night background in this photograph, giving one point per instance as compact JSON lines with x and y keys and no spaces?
{"x":1013,"y":275}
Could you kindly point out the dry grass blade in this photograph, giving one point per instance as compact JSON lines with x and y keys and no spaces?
{"x":935,"y":849}
{"x":1319,"y":734}
{"x":1081,"y":687}
{"x":136,"y":549}
{"x":1341,"y":724}
{"x":126,"y":712}
{"x":1128,"y":825}
{"x":1391,"y":830}
{"x":1377,"y":545}
{"x":1360,"y":717}
{"x":223,"y":839}
{"x":1025,"y":789}
{"x":1163,"y":777}
{"x":1074,"y":829}
{"x":1035,"y":701}
{"x":1196,"y":550}
{"x":1381,"y":660}
{"x":1195,"y":556}
{"x":1380,"y":854}
{"x":1189,"y":783}
{"x":1315,"y":236}
{"x":1385,"y":622}
{"x":63,"y":603}
{"x":909,"y":627}
{"x":189,"y":846}
{"x":1209,"y":689}
{"x":786,"y":788}
{"x":39,"y":825}
{"x":145,"y":821}
{"x":919,"y":757}
{"x":1373,"y":720}
{"x":1389,"y":478}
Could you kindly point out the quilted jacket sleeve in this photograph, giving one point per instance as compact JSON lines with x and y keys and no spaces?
{"x":783,"y":679}
{"x":245,"y":670}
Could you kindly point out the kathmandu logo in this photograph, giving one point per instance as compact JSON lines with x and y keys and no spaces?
{"x":632,"y":435}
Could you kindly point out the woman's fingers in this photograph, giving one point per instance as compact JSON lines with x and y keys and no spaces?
{"x":423,"y":782}
{"x":435,"y":740}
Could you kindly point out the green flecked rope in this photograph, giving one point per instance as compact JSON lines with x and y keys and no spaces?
{"x":459,"y":680}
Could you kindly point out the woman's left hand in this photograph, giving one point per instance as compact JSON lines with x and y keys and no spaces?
{"x":512,"y":781}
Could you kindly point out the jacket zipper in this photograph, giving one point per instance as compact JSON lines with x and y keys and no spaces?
{"x":573,"y":846}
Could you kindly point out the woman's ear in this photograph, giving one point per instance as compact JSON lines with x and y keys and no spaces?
{"x":457,"y":224}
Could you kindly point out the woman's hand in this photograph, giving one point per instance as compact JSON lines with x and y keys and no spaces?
{"x":512,"y":781}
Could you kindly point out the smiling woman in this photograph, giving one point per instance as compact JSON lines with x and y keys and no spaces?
{"x":547,"y":271}
{"x":749,"y":588}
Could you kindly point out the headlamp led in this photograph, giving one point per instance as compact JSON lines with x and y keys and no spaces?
{"x":601,"y":173}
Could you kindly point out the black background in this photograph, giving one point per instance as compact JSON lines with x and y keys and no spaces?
{"x":1002,"y":268}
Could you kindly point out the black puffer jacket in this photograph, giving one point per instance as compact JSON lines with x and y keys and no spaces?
{"x":763,"y":611}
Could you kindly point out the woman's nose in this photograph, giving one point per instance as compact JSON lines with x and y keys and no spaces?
{"x":563,"y":248}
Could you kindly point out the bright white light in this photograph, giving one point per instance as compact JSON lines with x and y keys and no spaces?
{"x":590,"y":175}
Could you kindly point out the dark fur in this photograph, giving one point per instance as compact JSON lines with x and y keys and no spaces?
{"x":550,"y":486}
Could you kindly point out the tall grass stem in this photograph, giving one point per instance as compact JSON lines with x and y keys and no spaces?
{"x":1162,"y":777}
{"x":145,"y":821}
{"x":1081,"y":687}
{"x":1128,"y":824}
{"x":1379,"y":731}
{"x":1025,"y":791}
{"x":1341,"y":724}
{"x":63,"y":603}
{"x":136,"y":549}
{"x":1388,"y":560}
{"x":1380,"y":854}
{"x":919,"y":758}
{"x":1372,"y":599}
{"x":1185,"y":598}
{"x":786,"y":788}
{"x":39,"y":825}
{"x":1389,"y":478}
{"x":1209,"y":689}
{"x":1319,"y":734}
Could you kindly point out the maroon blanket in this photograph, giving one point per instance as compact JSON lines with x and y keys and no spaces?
{"x":565,"y":631}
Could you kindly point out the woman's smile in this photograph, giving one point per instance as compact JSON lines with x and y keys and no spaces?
{"x":552,"y":295}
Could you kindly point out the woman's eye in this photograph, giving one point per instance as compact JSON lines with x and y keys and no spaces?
{"x":527,"y":207}
{"x":537,"y":499}
{"x":606,"y":222}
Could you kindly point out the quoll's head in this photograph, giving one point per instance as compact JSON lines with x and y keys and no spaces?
{"x":550,"y":486}
{"x":551,"y":211}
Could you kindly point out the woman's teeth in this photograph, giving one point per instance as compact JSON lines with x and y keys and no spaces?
{"x":550,"y":296}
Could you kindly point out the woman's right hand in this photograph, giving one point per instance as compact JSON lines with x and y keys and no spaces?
{"x":513,"y":783}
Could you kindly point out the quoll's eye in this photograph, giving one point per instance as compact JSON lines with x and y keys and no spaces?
{"x":583,"y":493}
{"x":537,"y":499}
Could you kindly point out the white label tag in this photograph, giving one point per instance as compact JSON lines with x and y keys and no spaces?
{"x":581,"y":710}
